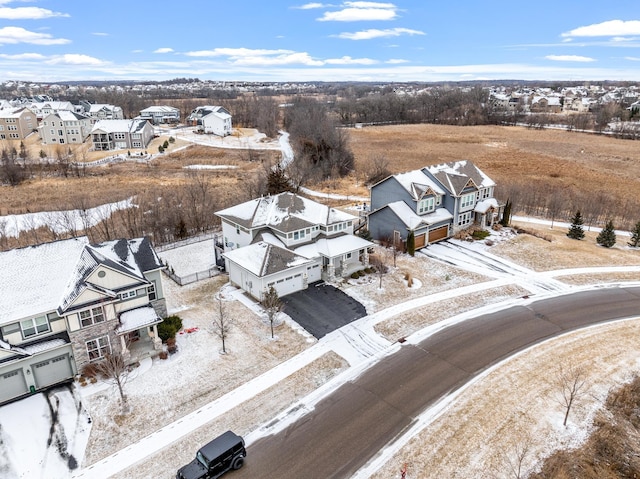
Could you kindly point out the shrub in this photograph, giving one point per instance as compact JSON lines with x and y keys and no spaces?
{"x":89,"y":370}
{"x":355,"y":275}
{"x":169,"y":327}
{"x":479,"y":234}
{"x":368,"y":270}
{"x":172,"y":139}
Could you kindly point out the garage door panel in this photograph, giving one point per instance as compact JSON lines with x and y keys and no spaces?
{"x":12,"y":384}
{"x":420,"y":240}
{"x":438,"y":234}
{"x":289,"y":285}
{"x":52,"y":371}
{"x":314,"y":273}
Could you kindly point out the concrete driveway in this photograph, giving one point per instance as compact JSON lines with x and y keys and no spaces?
{"x":322,"y":308}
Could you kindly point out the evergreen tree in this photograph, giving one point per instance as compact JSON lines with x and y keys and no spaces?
{"x":506,"y":214}
{"x":635,"y":236}
{"x":277,"y":181}
{"x":411,"y":243}
{"x":576,"y":231}
{"x":607,"y":236}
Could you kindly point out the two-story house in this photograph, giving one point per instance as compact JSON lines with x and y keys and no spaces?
{"x":102,"y":111}
{"x":68,"y":303}
{"x":46,"y":108}
{"x":64,"y":127}
{"x":434,"y":203}
{"x":159,"y":114}
{"x":287,"y":241}
{"x":211,"y":119}
{"x":121,"y":134}
{"x":17,"y":123}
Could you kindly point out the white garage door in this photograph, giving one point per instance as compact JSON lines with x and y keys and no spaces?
{"x":314,"y":273}
{"x":12,"y":384}
{"x":52,"y":371}
{"x":289,"y":285}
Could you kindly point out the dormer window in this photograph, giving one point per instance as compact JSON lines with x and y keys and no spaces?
{"x":426,"y":205}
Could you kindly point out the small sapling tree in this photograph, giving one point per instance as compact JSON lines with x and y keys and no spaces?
{"x":576,"y":231}
{"x":272,"y":305}
{"x":607,"y":236}
{"x":222,"y":323}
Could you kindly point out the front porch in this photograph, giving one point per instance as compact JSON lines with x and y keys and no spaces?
{"x":138,"y":333}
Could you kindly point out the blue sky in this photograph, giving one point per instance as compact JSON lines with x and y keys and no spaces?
{"x":275,"y":40}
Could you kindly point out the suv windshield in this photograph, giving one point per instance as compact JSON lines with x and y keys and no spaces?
{"x":201,"y":459}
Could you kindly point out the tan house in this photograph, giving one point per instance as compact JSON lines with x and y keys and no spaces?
{"x":64,"y":127}
{"x":17,"y":123}
{"x":121,"y":134}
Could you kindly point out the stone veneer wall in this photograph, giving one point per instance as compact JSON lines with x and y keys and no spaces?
{"x":160,"y":307}
{"x":81,"y":336}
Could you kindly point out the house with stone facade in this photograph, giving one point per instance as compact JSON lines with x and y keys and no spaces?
{"x":68,"y":303}
{"x":288,"y":242}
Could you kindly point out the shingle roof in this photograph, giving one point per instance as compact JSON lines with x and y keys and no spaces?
{"x":455,"y":176}
{"x":263,"y":259}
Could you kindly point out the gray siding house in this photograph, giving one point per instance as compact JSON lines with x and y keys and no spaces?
{"x":434,"y":202}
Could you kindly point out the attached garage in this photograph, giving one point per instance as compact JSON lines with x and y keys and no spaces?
{"x":289,"y":284}
{"x":52,"y":371}
{"x":420,"y":240}
{"x":12,"y":384}
{"x":314,"y":273}
{"x":438,"y":234}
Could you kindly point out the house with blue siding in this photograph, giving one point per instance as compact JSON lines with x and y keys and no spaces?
{"x":433,"y":202}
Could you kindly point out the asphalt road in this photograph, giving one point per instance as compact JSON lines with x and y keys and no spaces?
{"x":350,"y":426}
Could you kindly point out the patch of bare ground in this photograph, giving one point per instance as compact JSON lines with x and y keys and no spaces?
{"x":156,"y":402}
{"x":244,"y":418}
{"x":405,"y":324}
{"x":515,"y":407}
{"x":432,"y":277}
{"x":563,"y":252}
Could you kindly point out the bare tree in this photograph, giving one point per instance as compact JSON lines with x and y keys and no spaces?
{"x":571,"y":381}
{"x":222,"y":323}
{"x":517,"y":454}
{"x":114,"y":369}
{"x":379,"y":261}
{"x":272,"y":305}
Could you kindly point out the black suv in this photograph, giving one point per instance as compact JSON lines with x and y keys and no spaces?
{"x":224,"y":453}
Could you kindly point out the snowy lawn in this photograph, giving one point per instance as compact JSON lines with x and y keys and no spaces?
{"x":197,"y":374}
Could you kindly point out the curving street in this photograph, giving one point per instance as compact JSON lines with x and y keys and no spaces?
{"x":350,"y":426}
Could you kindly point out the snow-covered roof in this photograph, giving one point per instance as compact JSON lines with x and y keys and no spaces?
{"x":137,"y":318}
{"x":96,"y":107}
{"x":66,"y":115}
{"x":130,"y":257}
{"x":263,"y":259}
{"x":417,"y":183}
{"x":118,"y":126}
{"x":32,"y":279}
{"x":412,"y":220}
{"x":455,"y":176}
{"x":160,"y":109}
{"x":484,"y":205}
{"x":284,"y":212}
{"x":332,"y":247}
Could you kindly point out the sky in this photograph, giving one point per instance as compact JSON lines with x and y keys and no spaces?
{"x":402,"y":41}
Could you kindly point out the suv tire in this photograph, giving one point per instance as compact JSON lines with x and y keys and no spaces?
{"x":237,"y":462}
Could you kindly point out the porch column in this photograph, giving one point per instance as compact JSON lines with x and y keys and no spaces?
{"x":126,"y":354}
{"x":365,"y":258}
{"x":157,"y":342}
{"x":331,"y":271}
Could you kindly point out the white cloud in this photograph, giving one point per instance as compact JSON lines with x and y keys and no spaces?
{"x":624,"y":39}
{"x":570,"y":58}
{"x":376,"y":33}
{"x":358,"y":11}
{"x":75,"y":59}
{"x":346,"y":60}
{"x":28,"y":13}
{"x":12,"y":35}
{"x":310,"y":6}
{"x":164,"y":50}
{"x":293,"y":58}
{"x":611,"y":28}
{"x":396,"y":61}
{"x":236,"y":52}
{"x":100,"y":34}
{"x":633,"y":59}
{"x":23,"y":56}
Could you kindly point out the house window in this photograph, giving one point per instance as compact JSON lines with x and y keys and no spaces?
{"x":127,"y":294}
{"x":98,"y":348}
{"x":426,"y":205}
{"x":151,"y":291}
{"x":33,"y":326}
{"x":118,"y":136}
{"x":467,"y":200}
{"x":464,"y":219}
{"x":298,"y":235}
{"x":91,"y":316}
{"x":347,"y":256}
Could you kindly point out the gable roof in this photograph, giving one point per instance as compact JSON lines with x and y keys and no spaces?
{"x":411,"y":219}
{"x":129,"y":257}
{"x":32,"y":279}
{"x":283,"y":212}
{"x":263,"y":259}
{"x":417,"y":183}
{"x":332,"y":247}
{"x":455,"y":176}
{"x":119,"y":126}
